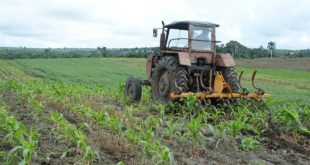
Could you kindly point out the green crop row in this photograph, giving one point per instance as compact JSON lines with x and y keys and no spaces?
{"x":25,"y":141}
{"x":74,"y":135}
{"x":155,"y":133}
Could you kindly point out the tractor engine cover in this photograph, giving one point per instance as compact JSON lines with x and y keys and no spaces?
{"x":222,"y":59}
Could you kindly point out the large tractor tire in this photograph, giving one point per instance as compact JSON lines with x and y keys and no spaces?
{"x":133,"y":89}
{"x":168,"y":76}
{"x":231,"y":77}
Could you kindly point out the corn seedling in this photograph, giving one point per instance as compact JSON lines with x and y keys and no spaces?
{"x":239,"y":124}
{"x":25,"y":140}
{"x":84,"y":111}
{"x":290,"y":117}
{"x":73,"y":134}
{"x":116,"y":124}
{"x":195,"y":134}
{"x":169,"y":131}
{"x":218,"y":132}
{"x":250,"y":144}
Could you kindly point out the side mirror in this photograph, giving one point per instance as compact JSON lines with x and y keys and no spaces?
{"x":154,"y":32}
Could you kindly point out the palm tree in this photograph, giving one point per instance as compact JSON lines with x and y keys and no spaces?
{"x":271,"y":46}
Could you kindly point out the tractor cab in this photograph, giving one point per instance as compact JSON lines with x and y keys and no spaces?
{"x":188,"y":36}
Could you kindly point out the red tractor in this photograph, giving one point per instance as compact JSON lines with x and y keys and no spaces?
{"x":188,"y":64}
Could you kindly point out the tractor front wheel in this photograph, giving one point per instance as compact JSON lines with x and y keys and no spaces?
{"x":133,"y":89}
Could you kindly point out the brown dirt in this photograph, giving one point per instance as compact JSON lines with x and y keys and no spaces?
{"x":49,"y":149}
{"x":112,"y":149}
{"x":301,"y":64}
{"x":276,"y":149}
{"x":227,"y":153}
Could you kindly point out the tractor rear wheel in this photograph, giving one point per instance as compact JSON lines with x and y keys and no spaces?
{"x":168,"y":76}
{"x":231,"y":77}
{"x":133,"y":89}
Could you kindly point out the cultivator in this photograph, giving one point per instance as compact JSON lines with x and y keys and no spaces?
{"x":189,"y":65}
{"x":222,"y":90}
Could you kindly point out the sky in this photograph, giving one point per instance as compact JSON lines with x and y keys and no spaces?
{"x":129,"y":23}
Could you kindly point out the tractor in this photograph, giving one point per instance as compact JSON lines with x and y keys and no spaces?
{"x":187,"y":64}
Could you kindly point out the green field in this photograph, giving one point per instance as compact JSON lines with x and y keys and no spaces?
{"x":73,"y":111}
{"x":109,"y":72}
{"x":106,"y":72}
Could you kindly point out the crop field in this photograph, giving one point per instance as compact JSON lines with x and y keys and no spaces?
{"x":72,"y":111}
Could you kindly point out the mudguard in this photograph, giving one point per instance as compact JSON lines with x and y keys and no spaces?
{"x":225,"y":60}
{"x":149,"y":64}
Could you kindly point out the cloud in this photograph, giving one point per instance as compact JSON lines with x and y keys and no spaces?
{"x":120,"y":23}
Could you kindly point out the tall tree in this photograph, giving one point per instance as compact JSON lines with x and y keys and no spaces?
{"x":271,"y":46}
{"x":47,"y":51}
{"x":103,"y":51}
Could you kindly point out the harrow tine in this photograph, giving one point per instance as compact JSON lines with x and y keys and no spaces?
{"x":208,"y":102}
{"x":259,"y":90}
{"x":257,"y":103}
{"x":249,"y":102}
{"x":253,"y":78}
{"x":240,"y":76}
{"x":226,"y":103}
{"x":252,"y":104}
{"x":261,"y":102}
{"x":244,"y":90}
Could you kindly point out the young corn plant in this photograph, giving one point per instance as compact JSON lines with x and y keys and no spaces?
{"x":116,"y":124}
{"x":194,"y":127}
{"x":118,"y":92}
{"x":250,"y":144}
{"x":215,"y":114}
{"x":74,"y":135}
{"x":151,"y":146}
{"x":170,"y":129}
{"x":159,"y":153}
{"x":37,"y":107}
{"x":218,"y":132}
{"x":133,"y":136}
{"x":100,"y":118}
{"x":182,"y":138}
{"x":291,"y":119}
{"x":190,"y":102}
{"x":239,"y":124}
{"x":25,"y":140}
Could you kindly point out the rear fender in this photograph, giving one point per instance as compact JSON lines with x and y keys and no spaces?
{"x":150,"y":64}
{"x":225,"y":60}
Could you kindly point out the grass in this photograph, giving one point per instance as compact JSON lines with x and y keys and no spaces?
{"x":106,"y":72}
{"x":282,"y":84}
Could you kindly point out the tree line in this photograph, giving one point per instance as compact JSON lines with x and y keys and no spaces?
{"x":25,"y":53}
{"x":240,"y":51}
{"x":233,"y":47}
